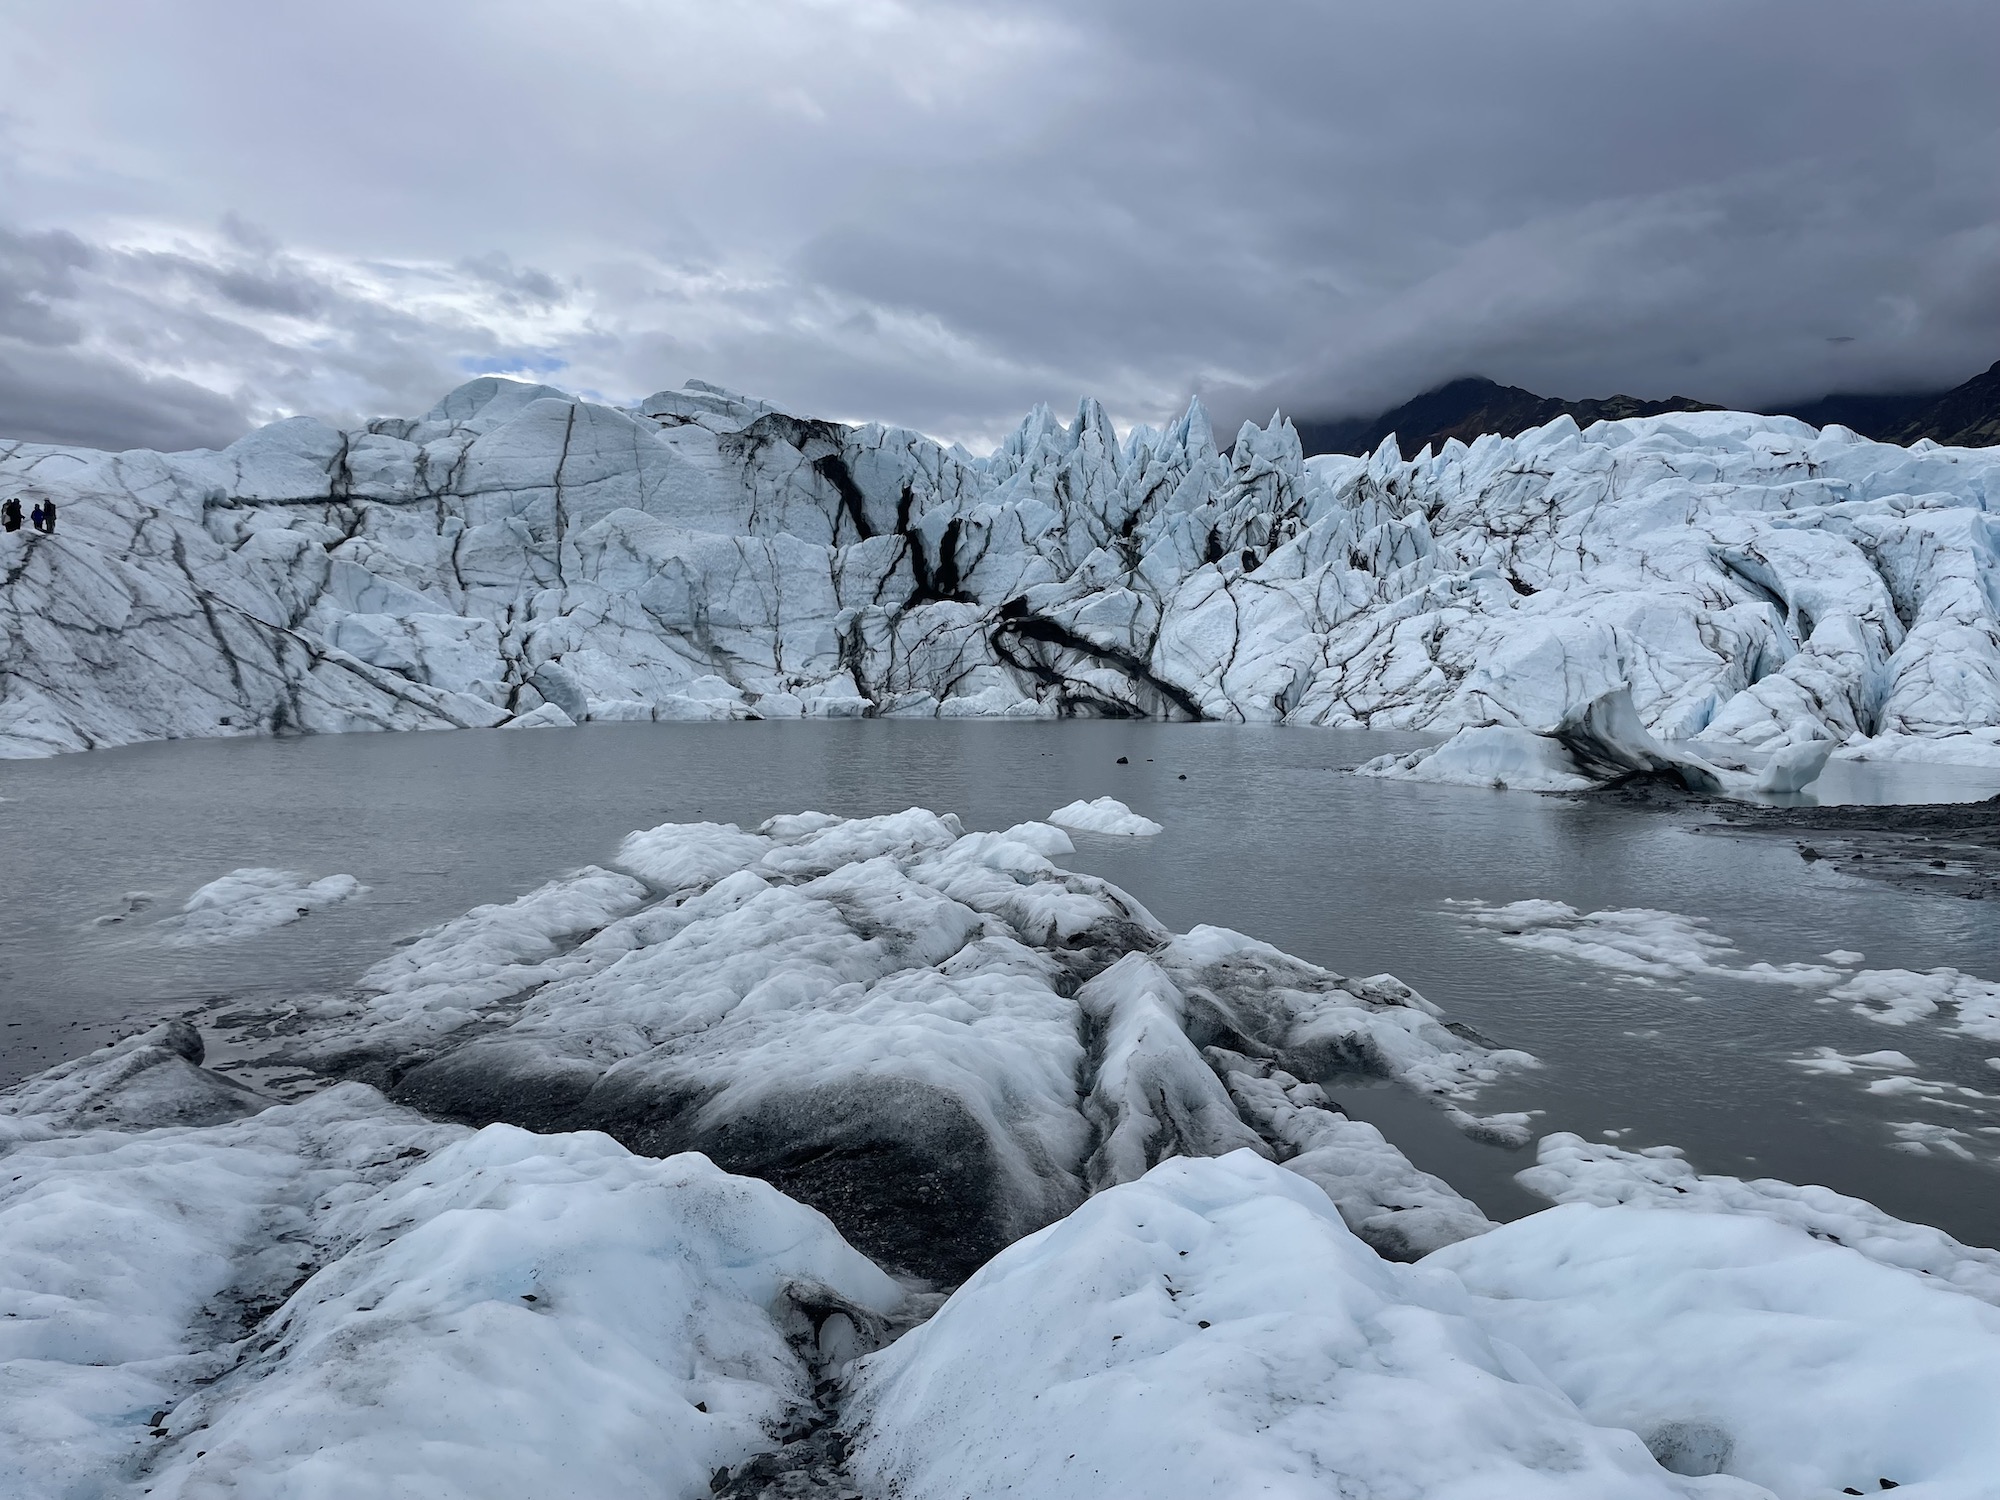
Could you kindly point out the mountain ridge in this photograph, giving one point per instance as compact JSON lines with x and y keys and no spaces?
{"x":1966,"y":416}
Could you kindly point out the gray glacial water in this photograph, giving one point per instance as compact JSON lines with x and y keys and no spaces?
{"x":1266,"y":834}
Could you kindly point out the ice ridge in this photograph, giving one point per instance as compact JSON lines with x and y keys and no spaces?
{"x":1754,"y":586}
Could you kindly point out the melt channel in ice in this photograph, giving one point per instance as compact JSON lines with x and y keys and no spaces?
{"x":1737,"y":595}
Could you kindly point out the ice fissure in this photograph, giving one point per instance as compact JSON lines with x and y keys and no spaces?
{"x":1755,"y":584}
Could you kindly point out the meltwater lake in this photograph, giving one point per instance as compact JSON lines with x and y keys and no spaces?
{"x":1265,"y":831}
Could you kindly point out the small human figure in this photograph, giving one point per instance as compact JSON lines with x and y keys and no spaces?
{"x":35,"y":516}
{"x":49,"y":517}
{"x":10,"y":515}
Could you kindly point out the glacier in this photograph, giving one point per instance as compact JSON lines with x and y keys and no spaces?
{"x":867,"y":1157}
{"x":1755,"y":589}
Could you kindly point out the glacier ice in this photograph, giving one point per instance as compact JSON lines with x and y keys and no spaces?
{"x":1637,"y":942}
{"x":1896,"y":997}
{"x":1213,"y":1328}
{"x":1103,"y":815}
{"x":1182,"y":1270}
{"x":1695,"y":1330}
{"x":889,"y":1017}
{"x":1762,"y":592}
{"x":340,"y":1297}
{"x":1570,"y":1169}
{"x":246,"y":902}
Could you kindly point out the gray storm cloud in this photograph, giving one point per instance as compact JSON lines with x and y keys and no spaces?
{"x":937,"y":214}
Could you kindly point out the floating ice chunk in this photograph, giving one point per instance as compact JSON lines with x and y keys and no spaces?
{"x":1634,"y":940}
{"x":133,"y":902}
{"x":1793,"y":768}
{"x":1491,"y":755}
{"x":1896,"y":997}
{"x":1847,"y":958}
{"x":1931,"y":1090}
{"x":1827,"y":1060}
{"x":1638,"y":940}
{"x":1215,"y":1329}
{"x":548,"y":716}
{"x":1922,"y":1137}
{"x":246,"y":902}
{"x":1745,"y":1347}
{"x":1570,"y":1169}
{"x":1104,"y":815}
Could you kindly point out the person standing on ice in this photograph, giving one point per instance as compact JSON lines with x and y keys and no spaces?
{"x":10,"y":515}
{"x":44,"y":516}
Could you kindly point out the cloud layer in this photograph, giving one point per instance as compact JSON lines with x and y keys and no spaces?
{"x":218,"y":212}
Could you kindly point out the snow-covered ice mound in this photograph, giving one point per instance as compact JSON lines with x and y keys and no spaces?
{"x":888,"y":1017}
{"x":1738,"y":1345}
{"x":340,"y":1297}
{"x":1570,"y":1169}
{"x":1103,"y":815}
{"x":1214,"y":1329}
{"x":528,"y":1316}
{"x":153,"y":1079}
{"x":519,"y":556}
{"x":246,"y":902}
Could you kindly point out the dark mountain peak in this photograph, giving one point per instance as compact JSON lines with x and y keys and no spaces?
{"x":1967,"y":416}
{"x":1468,"y":408}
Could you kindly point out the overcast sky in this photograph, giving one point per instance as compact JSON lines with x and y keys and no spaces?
{"x":215,"y":212}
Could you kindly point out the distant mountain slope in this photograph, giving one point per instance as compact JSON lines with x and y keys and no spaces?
{"x":1467,"y":408}
{"x":1967,"y":416}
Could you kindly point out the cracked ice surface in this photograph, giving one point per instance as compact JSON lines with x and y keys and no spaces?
{"x":889,"y":1017}
{"x":516,"y":555}
{"x":337,"y":1295}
